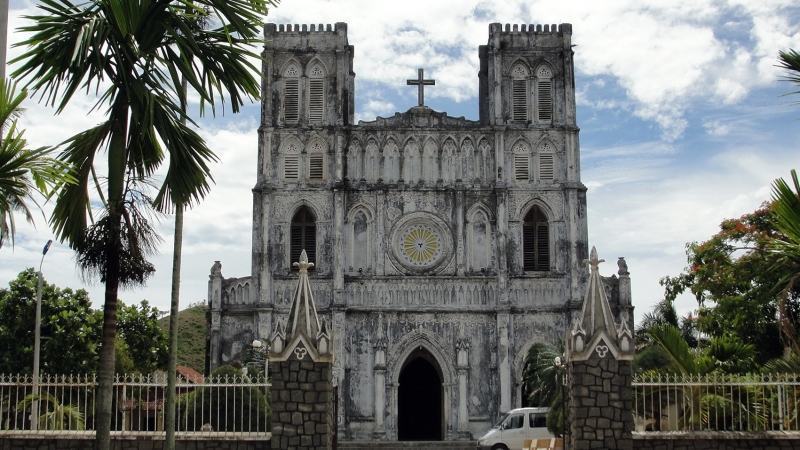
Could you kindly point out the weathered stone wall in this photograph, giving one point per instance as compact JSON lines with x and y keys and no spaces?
{"x":302,"y":405}
{"x":601,"y":403}
{"x":62,"y":443}
{"x":716,"y":441}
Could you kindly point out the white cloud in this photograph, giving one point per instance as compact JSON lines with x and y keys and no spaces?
{"x":665,"y":55}
{"x":649,"y":214}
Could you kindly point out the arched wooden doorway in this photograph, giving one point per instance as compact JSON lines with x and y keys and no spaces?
{"x":420,"y":405}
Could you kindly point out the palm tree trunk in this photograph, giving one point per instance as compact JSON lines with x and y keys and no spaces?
{"x":116,"y":180}
{"x":169,"y":422}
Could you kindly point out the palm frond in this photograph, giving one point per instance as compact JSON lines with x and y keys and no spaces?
{"x":669,"y":338}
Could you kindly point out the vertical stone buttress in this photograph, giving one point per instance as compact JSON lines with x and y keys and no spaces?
{"x":599,"y":355}
{"x":540,"y":49}
{"x":214,"y":349}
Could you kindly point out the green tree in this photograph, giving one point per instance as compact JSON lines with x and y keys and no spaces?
{"x":23,"y":171}
{"x":733,"y":277}
{"x":542,"y":382}
{"x":786,"y":249}
{"x":70,"y":328}
{"x":145,"y":340}
{"x":136,"y":54}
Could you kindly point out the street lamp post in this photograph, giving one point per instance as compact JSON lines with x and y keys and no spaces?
{"x":562,"y":367}
{"x":37,"y":343}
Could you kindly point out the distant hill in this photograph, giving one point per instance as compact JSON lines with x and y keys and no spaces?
{"x":191,"y":336}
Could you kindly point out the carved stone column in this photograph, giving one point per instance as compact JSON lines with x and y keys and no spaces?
{"x":380,"y":387}
{"x":462,"y":366}
{"x":215,"y":304}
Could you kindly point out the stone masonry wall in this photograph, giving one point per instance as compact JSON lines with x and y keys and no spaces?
{"x":601,"y":403}
{"x":59,"y":443}
{"x":302,"y":405}
{"x":716,"y":441}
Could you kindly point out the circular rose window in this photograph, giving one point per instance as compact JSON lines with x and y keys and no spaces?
{"x":422,"y":245}
{"x":420,"y":241}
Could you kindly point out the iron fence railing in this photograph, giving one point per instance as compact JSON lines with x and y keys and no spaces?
{"x":216,"y":406}
{"x":716,"y":402}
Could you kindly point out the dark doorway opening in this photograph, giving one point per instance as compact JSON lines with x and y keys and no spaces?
{"x":419,"y":402}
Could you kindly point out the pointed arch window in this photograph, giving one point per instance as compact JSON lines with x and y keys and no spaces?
{"x":316,"y":160}
{"x":391,"y":163}
{"x":536,"y":241}
{"x":519,"y":92}
{"x":303,"y":236}
{"x":546,"y":162}
{"x":291,"y":162}
{"x":544,"y":93}
{"x":291,"y":94}
{"x":316,"y":93}
{"x":522,"y":161}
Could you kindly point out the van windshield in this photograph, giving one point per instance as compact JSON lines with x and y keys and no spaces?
{"x":500,"y":420}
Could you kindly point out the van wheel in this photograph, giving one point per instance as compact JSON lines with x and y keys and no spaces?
{"x":499,"y":447}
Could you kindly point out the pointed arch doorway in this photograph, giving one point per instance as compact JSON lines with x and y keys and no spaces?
{"x":420,"y":404}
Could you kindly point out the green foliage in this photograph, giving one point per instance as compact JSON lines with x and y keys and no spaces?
{"x":192,"y":333}
{"x":52,"y":414}
{"x":71,"y":331}
{"x":225,"y":408}
{"x":23,"y":171}
{"x":542,"y":381}
{"x":145,"y":339}
{"x":733,"y":276}
{"x":70,"y":328}
{"x":786,"y":249}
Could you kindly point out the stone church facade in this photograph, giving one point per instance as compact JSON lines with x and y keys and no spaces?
{"x":443,"y":247}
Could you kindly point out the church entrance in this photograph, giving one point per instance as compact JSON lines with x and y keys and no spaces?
{"x":419,"y":399}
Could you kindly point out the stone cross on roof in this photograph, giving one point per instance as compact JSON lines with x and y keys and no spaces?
{"x":420,"y":82}
{"x":303,"y":314}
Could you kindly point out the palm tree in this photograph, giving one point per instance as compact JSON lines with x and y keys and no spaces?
{"x":23,"y":171}
{"x":786,"y":207}
{"x":135,"y":54}
{"x":542,"y":381}
{"x":54,"y":415}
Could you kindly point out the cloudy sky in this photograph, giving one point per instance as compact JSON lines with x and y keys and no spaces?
{"x":681,"y":108}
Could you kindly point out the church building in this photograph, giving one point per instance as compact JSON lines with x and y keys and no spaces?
{"x":443,"y":247}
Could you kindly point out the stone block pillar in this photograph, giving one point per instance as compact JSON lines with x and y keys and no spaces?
{"x":301,"y":372}
{"x":599,"y":356}
{"x":302,"y":403}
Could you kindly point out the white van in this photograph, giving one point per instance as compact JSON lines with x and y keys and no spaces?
{"x":515,"y":428}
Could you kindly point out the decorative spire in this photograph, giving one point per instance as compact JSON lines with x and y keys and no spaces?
{"x":595,"y":328}
{"x":303,"y":314}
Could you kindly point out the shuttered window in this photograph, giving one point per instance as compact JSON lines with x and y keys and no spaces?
{"x":546,"y":166}
{"x":291,"y":167}
{"x":316,"y":99}
{"x":521,"y":167}
{"x":535,"y":241}
{"x":519,"y":94}
{"x":545,"y":99}
{"x":303,"y":236}
{"x":316,"y":167}
{"x":291,"y":100}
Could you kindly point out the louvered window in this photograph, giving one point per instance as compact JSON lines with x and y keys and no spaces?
{"x":546,"y":166}
{"x":521,"y":167}
{"x":545,"y":91}
{"x":303,"y":236}
{"x":291,"y":167}
{"x":291,"y":100}
{"x":316,"y":167}
{"x":316,"y":99}
{"x":535,"y":241}
{"x":520,"y":100}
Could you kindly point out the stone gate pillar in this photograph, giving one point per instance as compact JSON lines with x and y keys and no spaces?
{"x":301,"y":363}
{"x":599,"y":355}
